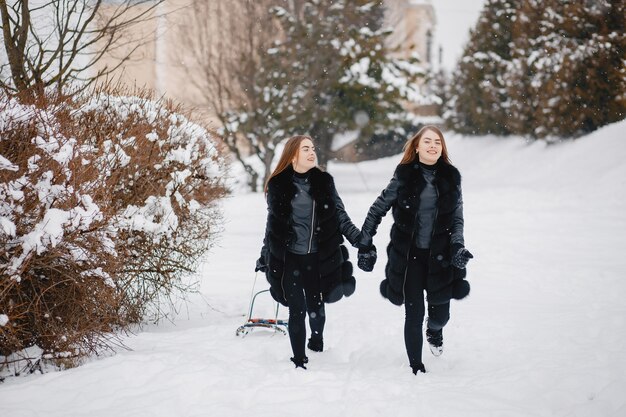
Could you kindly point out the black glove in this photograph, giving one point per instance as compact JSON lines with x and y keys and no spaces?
{"x":367,"y":258}
{"x":363,"y":242}
{"x":461,"y":257}
{"x":260,"y":265}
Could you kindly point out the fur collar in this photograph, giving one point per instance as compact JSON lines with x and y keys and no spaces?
{"x":407,"y":173}
{"x":282,"y":186}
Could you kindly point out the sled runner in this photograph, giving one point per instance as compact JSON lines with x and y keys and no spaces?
{"x":274,"y":324}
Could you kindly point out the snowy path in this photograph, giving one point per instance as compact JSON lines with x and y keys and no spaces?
{"x":543,"y":332}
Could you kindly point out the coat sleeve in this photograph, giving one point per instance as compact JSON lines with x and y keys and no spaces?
{"x":379,"y":209}
{"x":346,"y":227}
{"x":456,"y":232}
{"x":264,"y":249}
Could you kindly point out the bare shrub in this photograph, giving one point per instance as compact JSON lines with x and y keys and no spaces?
{"x":163,"y":195}
{"x":107,"y":202}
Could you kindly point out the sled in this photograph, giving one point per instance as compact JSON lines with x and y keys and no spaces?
{"x":252,"y":323}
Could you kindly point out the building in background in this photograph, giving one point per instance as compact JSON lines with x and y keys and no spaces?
{"x":414,"y":23}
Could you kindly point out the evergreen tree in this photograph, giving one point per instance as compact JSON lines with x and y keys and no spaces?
{"x":558,"y":69}
{"x":478,"y":102}
{"x":439,"y":85}
{"x":521,"y":80}
{"x":580,"y":65}
{"x":329,"y":66}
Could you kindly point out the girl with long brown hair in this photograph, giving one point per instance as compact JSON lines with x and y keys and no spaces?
{"x":302,"y":255}
{"x":427,"y":250}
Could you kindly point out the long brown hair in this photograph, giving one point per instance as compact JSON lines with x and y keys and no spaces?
{"x":409,"y":147}
{"x":290,"y":151}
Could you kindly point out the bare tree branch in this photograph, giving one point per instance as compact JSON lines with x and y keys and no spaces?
{"x":224,"y":40}
{"x":77,"y":36}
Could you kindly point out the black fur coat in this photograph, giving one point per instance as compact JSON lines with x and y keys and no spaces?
{"x":332,"y":222}
{"x":444,"y":282}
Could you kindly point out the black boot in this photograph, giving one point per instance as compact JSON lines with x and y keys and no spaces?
{"x":435,"y":341}
{"x":316,"y":344}
{"x":299,"y":362}
{"x":418,"y":367}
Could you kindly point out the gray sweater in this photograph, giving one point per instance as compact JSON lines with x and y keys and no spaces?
{"x":427,"y":210}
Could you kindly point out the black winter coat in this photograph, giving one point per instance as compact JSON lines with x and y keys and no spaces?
{"x":402,"y":195}
{"x":331,"y":222}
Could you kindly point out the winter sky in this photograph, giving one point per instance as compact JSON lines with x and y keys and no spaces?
{"x":454,"y":20}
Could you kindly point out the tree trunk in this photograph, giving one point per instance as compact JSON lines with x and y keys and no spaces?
{"x":267,"y":160}
{"x":15,"y":44}
{"x":323,"y":140}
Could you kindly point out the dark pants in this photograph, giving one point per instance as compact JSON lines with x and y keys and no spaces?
{"x":302,"y":289}
{"x":438,"y":315}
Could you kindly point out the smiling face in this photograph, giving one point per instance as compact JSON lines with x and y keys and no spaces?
{"x":305,"y":158}
{"x":429,"y":147}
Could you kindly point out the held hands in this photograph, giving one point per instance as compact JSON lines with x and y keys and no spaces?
{"x":367,"y":258}
{"x":460,"y":257}
{"x":260,"y":265}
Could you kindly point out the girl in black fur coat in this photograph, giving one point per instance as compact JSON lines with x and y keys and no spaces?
{"x":426,"y":251}
{"x":302,"y":255}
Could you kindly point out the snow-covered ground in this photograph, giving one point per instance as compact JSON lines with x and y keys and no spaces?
{"x":543,"y":332}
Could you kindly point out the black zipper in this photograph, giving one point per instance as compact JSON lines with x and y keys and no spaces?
{"x":408,"y":254}
{"x":312,"y":227}
{"x":432,"y":233}
{"x":282,"y":277}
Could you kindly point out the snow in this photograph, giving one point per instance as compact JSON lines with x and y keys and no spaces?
{"x":7,"y":165}
{"x":342,"y":139}
{"x":543,"y":332}
{"x":156,"y":217}
{"x":8,"y":227}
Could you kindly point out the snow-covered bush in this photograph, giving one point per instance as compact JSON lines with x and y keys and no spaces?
{"x":165,"y":173}
{"x":106,"y":203}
